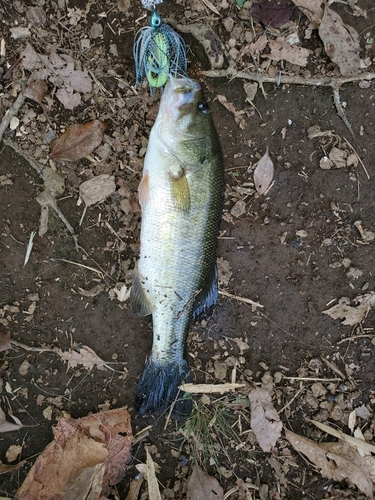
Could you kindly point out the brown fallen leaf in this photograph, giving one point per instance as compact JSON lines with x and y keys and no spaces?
{"x":6,"y":426}
{"x":78,"y":141}
{"x":230,"y":107}
{"x":134,"y":488}
{"x":341,"y":42}
{"x":259,"y":45}
{"x":352,"y":315}
{"x":243,"y":490}
{"x":337,"y":461}
{"x":36,"y":91}
{"x":11,"y":468}
{"x":282,"y":50}
{"x":97,"y":189}
{"x":272,"y":15}
{"x":84,"y":356}
{"x":87,"y":454}
{"x":311,"y":8}
{"x":152,"y":482}
{"x":265,"y":421}
{"x":263,"y":173}
{"x":201,"y":486}
{"x":4,"y":338}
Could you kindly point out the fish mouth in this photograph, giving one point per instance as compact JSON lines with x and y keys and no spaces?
{"x":181,"y":91}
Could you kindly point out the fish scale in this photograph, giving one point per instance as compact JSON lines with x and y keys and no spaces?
{"x":181,"y":195}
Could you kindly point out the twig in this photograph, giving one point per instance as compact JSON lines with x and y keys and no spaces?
{"x":99,"y":273}
{"x":291,"y":401}
{"x":340,"y":109}
{"x":359,"y":158}
{"x":333,"y":82}
{"x":354,"y":337}
{"x":240,"y":299}
{"x":12,"y":111}
{"x":314,"y":379}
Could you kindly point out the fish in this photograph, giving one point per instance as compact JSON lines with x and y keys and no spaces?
{"x":181,"y":197}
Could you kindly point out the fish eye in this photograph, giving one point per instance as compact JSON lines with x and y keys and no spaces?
{"x":203,"y":107}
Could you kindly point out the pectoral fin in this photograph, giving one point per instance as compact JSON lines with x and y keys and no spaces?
{"x":144,"y":190}
{"x":139,"y":301}
{"x":180,"y":192}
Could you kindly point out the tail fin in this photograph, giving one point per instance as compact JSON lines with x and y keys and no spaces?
{"x":158,"y":388}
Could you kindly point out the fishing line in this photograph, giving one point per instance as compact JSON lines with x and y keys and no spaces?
{"x":159,"y":52}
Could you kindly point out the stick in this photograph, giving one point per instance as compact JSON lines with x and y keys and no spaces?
{"x":333,"y":81}
{"x":240,"y":299}
{"x":12,"y":111}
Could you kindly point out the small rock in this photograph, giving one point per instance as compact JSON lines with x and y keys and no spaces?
{"x":318,"y":389}
{"x":220,"y":370}
{"x":24,"y":368}
{"x":96,"y":30}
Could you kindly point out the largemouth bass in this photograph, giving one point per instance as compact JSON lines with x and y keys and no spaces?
{"x":181,"y":195}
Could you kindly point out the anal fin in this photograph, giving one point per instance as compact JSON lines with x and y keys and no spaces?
{"x":206,"y":299}
{"x":139,"y":302}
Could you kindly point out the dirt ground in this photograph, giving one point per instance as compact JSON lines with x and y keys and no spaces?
{"x":295,"y":250}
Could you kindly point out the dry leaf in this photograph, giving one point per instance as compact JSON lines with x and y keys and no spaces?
{"x":341,"y":42}
{"x":84,"y":452}
{"x":6,"y":426}
{"x":243,"y":346}
{"x":230,"y":107}
{"x":265,"y":421}
{"x":84,"y":356}
{"x":243,"y":490}
{"x":78,"y":141}
{"x":97,"y":189}
{"x":338,"y":157}
{"x":336,"y":461}
{"x":12,"y":452}
{"x":259,"y":45}
{"x":211,"y":6}
{"x":134,"y":488}
{"x":272,"y":15}
{"x":87,"y":484}
{"x":59,"y":70}
{"x":311,"y":8}
{"x":68,"y":98}
{"x":36,"y":16}
{"x":152,"y":482}
{"x":36,"y":91}
{"x":263,"y":174}
{"x":281,"y":50}
{"x":352,"y":315}
{"x":344,"y":437}
{"x":4,"y":338}
{"x":11,"y":468}
{"x":201,"y":486}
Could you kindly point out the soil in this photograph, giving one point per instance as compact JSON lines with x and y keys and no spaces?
{"x":286,"y":251}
